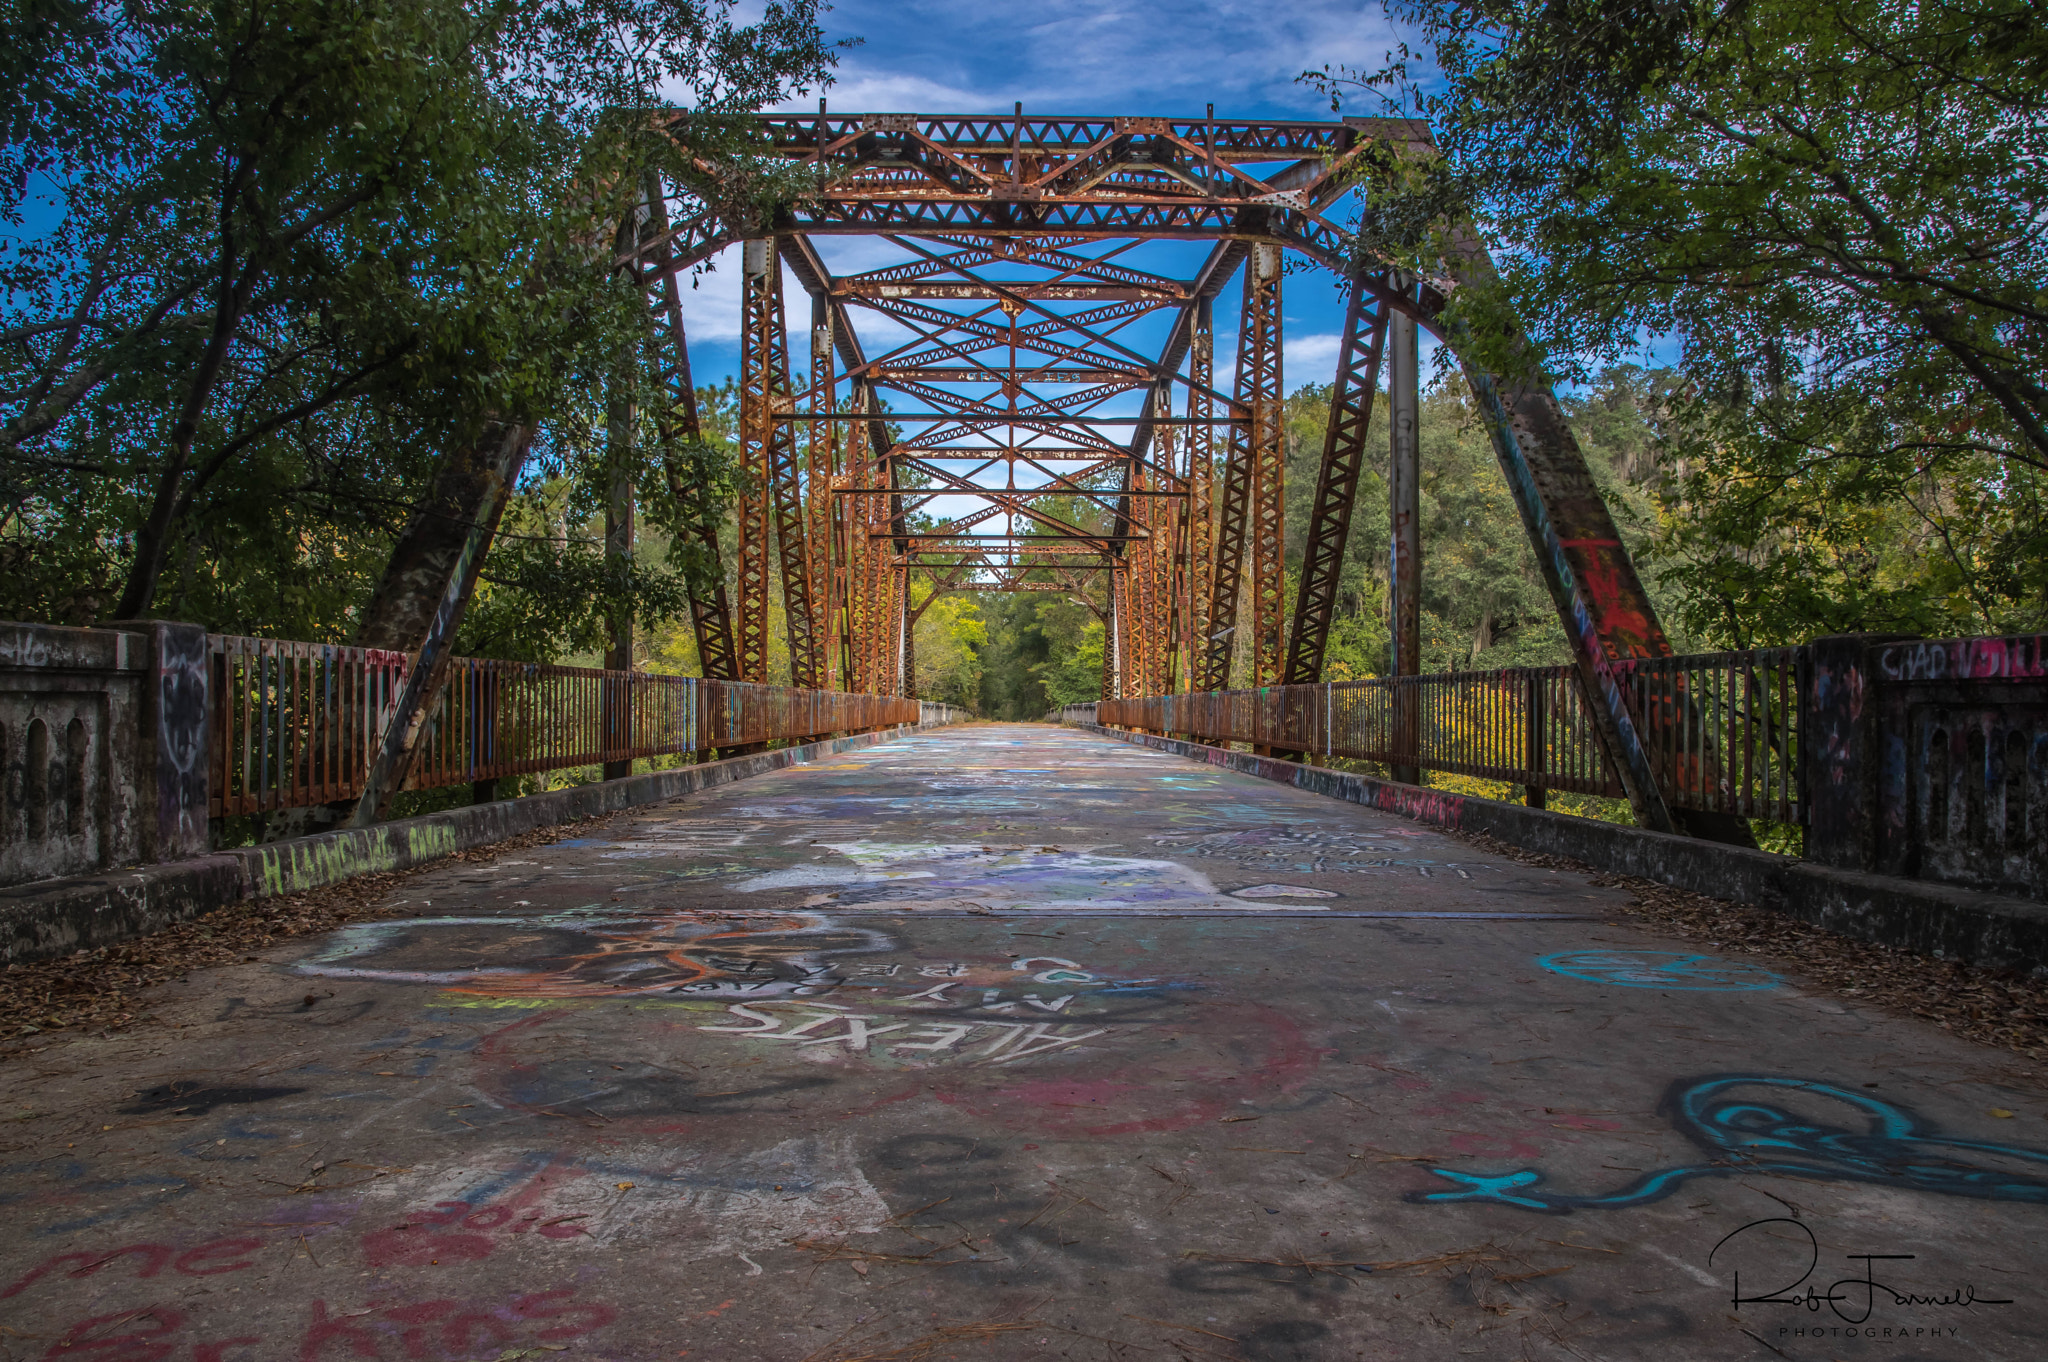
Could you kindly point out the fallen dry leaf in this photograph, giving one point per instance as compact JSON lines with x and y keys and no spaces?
{"x":1989,"y":1006}
{"x":100,"y":989}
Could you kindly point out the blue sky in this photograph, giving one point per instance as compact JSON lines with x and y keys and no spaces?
{"x":1082,"y":56}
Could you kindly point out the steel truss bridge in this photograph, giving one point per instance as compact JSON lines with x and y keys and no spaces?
{"x":1047,"y":291}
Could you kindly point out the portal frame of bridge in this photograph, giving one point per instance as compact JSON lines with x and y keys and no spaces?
{"x":1013,"y":280}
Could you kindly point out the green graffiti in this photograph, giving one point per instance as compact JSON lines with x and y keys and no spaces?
{"x":290,"y":868}
{"x":430,"y":841}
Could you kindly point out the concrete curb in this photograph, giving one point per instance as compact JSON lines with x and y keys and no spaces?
{"x":1939,"y":920}
{"x":55,"y":917}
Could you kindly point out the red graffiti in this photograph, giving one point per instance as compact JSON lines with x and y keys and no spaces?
{"x":208,"y":1260}
{"x":457,"y":1232}
{"x":1615,"y":599}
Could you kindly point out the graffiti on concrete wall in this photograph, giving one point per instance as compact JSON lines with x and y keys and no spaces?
{"x":1797,"y":1127}
{"x":1969,"y":659}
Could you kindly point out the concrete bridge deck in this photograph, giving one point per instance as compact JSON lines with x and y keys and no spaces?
{"x":1008,"y":1042}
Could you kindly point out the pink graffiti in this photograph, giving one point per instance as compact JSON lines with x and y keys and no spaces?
{"x":1424,"y":806}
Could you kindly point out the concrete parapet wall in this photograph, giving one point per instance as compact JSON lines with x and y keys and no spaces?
{"x":1940,"y":920}
{"x":55,"y":917}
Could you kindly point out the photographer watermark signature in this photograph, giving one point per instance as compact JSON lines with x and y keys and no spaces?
{"x":1853,"y":1299}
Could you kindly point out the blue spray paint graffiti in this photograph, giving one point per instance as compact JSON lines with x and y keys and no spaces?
{"x":1751,"y":1133}
{"x":1672,"y":971}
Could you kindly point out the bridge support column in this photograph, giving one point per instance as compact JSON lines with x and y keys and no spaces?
{"x":673,"y":398}
{"x":1260,"y":371}
{"x":1200,"y":509}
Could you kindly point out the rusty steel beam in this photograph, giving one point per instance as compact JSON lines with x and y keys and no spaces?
{"x":854,"y":288}
{"x":821,"y":466}
{"x":1238,"y":503}
{"x":1344,"y":454}
{"x":1160,"y":521}
{"x":1268,"y":528}
{"x":1097,"y":377}
{"x":1198,"y":568}
{"x":975,"y":202}
{"x":760,"y":335}
{"x":1079,"y":178}
{"x":678,"y":427}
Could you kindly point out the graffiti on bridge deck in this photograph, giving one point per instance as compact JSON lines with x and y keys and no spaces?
{"x":600,"y":953}
{"x":1318,"y":851}
{"x":1670,"y":971}
{"x":923,"y":1015}
{"x":1759,"y":1123}
{"x":1002,"y":879}
{"x":155,"y":1332}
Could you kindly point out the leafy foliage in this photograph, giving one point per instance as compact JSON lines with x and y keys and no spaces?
{"x":282,"y":254}
{"x":1830,"y":212}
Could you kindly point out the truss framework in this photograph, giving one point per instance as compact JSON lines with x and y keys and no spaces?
{"x":1041,"y":412}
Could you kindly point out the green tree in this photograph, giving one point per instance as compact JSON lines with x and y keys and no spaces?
{"x":950,"y":638}
{"x":298,"y":252}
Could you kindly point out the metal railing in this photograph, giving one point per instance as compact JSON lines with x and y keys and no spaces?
{"x":1721,"y":728}
{"x":295,"y":724}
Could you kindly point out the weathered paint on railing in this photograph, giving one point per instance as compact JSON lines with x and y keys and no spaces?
{"x":296,"y":724}
{"x":1720,"y":728}
{"x":1525,"y":725}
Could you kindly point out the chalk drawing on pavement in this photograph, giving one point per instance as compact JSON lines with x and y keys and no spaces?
{"x":1672,"y":971}
{"x":907,"y":1014}
{"x":699,"y":1203}
{"x":1751,"y":1124}
{"x":1000,"y":879}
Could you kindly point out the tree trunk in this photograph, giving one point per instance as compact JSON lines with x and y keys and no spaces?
{"x":426,"y":587}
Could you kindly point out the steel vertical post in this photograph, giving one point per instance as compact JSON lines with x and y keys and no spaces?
{"x":1343,"y":467}
{"x":673,"y":399}
{"x":757,"y":417}
{"x":821,"y":465}
{"x":771,"y":388}
{"x":1201,"y":509}
{"x":1237,"y":499}
{"x":1404,"y":573}
{"x":1269,"y":474}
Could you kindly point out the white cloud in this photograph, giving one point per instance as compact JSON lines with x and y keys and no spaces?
{"x":711,"y":299}
{"x":1309,"y":359}
{"x":859,"y":90}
